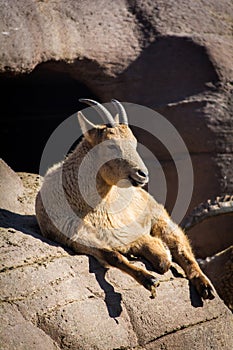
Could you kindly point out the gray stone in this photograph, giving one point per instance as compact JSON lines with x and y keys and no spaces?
{"x":53,"y":299}
{"x":219,"y":268}
{"x":11,"y":189}
{"x":16,"y":333}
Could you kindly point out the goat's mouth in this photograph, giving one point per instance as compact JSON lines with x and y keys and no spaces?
{"x":137,"y":182}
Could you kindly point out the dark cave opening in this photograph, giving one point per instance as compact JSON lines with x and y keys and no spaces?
{"x":33,"y":106}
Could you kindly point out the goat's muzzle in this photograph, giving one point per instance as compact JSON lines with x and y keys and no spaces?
{"x":139,"y":178}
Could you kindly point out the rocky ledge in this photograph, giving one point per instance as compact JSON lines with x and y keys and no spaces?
{"x":53,"y":299}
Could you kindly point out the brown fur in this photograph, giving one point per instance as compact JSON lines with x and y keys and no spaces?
{"x":140,"y":227}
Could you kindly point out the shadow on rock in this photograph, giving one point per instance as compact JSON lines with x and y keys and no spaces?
{"x":196,"y":300}
{"x":24,"y":223}
{"x":112,"y":299}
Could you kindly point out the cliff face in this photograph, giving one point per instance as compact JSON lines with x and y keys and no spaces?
{"x":110,"y":34}
{"x":172,"y":56}
{"x":52,"y":299}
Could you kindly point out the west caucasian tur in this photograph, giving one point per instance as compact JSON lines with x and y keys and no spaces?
{"x":94,"y":202}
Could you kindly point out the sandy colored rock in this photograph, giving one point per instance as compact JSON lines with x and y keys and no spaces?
{"x":16,"y":333}
{"x":53,"y":299}
{"x":17,"y":195}
{"x":11,"y":189}
{"x":183,"y":337}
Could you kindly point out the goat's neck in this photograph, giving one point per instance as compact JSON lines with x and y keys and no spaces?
{"x":81,"y":173}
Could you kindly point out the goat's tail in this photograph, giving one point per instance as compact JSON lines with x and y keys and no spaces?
{"x":219,"y":206}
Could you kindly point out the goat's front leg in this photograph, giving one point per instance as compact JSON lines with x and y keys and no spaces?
{"x":116,"y":259}
{"x":182,"y":253}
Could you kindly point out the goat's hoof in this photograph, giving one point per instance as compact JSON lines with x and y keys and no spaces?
{"x":151,"y":284}
{"x":153,"y":292}
{"x":204,"y":287}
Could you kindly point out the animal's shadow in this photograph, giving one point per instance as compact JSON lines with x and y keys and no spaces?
{"x":112,"y":298}
{"x":28,"y":225}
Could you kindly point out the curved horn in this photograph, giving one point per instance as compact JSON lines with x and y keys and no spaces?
{"x":103,"y":112}
{"x":121,"y":111}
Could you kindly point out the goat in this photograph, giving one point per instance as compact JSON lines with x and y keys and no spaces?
{"x":123,"y":219}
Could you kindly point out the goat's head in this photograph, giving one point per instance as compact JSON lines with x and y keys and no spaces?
{"x":122,"y":165}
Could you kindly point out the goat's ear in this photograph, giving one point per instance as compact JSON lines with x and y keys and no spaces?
{"x":117,"y":118}
{"x":85,"y":125}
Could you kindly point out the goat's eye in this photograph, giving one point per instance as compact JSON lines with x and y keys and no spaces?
{"x":111,"y":146}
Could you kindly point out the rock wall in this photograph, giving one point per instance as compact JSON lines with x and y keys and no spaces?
{"x":173,"y":56}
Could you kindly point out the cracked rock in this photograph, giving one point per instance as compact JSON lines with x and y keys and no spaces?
{"x":52,"y":299}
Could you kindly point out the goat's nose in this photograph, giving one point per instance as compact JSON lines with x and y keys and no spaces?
{"x":142,"y":174}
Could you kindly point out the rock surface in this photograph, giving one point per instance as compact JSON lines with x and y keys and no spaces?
{"x":173,"y":56}
{"x":53,"y":299}
{"x":219,"y":268}
{"x":37,"y":31}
